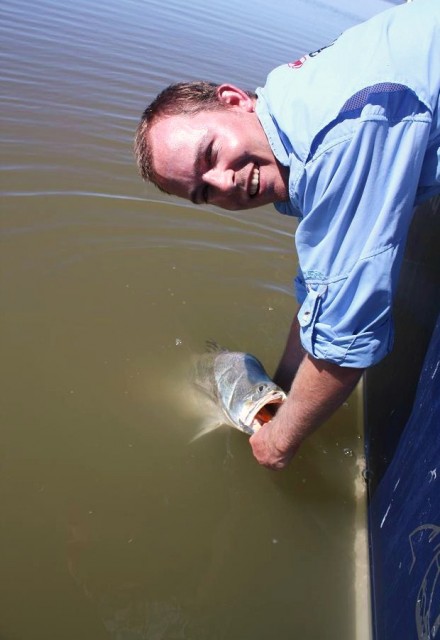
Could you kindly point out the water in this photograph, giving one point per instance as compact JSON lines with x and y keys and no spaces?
{"x":114,"y":526}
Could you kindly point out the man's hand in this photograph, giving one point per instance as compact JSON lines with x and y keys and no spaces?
{"x":267,"y":451}
{"x":318,"y":389}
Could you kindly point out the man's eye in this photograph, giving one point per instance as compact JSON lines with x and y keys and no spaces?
{"x":209,"y":155}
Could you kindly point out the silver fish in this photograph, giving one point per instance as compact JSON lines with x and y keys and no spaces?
{"x":238,"y":385}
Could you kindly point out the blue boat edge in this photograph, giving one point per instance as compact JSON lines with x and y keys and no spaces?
{"x":402,"y":449}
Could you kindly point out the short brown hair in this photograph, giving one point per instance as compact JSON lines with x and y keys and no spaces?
{"x":183,"y":98}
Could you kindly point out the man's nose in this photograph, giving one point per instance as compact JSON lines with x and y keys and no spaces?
{"x":222,"y":181}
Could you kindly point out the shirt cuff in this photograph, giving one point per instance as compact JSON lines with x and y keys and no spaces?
{"x":359,"y":351}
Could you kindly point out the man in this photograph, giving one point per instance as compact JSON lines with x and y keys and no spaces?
{"x":347,"y":139}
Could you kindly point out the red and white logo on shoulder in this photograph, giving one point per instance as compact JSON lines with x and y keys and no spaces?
{"x":298,"y":63}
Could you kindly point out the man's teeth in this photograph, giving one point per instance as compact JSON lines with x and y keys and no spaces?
{"x":255,"y":181}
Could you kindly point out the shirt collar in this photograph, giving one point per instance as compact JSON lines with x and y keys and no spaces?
{"x":274,"y":136}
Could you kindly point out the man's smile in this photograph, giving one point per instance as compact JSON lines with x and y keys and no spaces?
{"x":255,"y":181}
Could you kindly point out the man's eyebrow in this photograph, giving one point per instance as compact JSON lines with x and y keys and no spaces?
{"x":200,"y":155}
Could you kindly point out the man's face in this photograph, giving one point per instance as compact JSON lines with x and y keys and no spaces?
{"x":219,"y":157}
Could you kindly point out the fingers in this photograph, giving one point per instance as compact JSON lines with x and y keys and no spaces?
{"x":265,"y":451}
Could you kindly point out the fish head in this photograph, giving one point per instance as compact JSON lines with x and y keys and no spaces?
{"x":260,"y":405}
{"x":238,"y":385}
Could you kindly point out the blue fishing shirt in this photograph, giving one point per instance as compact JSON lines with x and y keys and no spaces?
{"x":358,"y":125}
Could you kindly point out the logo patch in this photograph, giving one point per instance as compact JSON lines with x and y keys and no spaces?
{"x":299,"y":63}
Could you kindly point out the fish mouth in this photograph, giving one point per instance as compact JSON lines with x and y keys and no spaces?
{"x":263,"y":411}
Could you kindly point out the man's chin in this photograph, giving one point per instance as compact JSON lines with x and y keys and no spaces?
{"x":244,"y":206}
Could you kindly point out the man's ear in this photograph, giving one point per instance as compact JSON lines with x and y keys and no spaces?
{"x":232,"y":96}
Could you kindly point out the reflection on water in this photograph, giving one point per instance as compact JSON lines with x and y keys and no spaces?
{"x":115,"y":525}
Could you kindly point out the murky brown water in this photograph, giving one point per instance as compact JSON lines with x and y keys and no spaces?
{"x":115,"y":526}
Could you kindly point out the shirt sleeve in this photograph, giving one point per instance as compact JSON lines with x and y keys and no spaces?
{"x":357,"y":194}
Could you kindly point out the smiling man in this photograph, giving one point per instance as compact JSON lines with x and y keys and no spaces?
{"x":219,"y":154}
{"x":347,"y":139}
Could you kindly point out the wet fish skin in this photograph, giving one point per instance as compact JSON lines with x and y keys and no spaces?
{"x":237,"y":383}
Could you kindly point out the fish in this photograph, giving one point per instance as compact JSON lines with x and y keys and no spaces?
{"x":237,"y":383}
